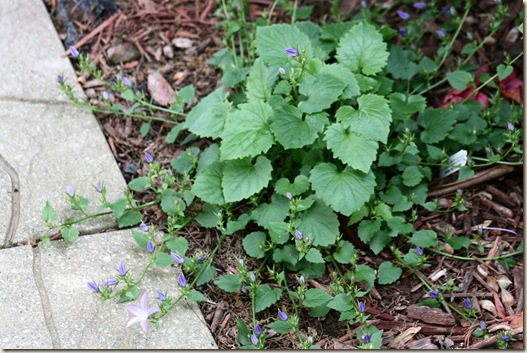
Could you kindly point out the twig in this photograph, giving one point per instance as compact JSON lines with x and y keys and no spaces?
{"x":93,"y":33}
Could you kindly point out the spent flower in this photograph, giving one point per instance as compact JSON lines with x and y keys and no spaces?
{"x":60,"y":78}
{"x":281,"y":70}
{"x":403,"y":32}
{"x":110,"y":283}
{"x":141,"y":313}
{"x":510,"y":126}
{"x":441,"y":33}
{"x":99,"y":186}
{"x":127,"y":82}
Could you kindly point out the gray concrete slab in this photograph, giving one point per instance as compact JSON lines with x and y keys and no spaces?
{"x":31,"y":53}
{"x":48,"y":147}
{"x":22,"y":323}
{"x":81,"y":321}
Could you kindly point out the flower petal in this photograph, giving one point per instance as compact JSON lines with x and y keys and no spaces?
{"x":133,"y":321}
{"x":137,"y":311}
{"x":144,"y":325}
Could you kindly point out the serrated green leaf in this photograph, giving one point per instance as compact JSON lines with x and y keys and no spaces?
{"x":128,"y":95}
{"x":244,"y":333}
{"x":178,"y":245}
{"x":254,"y":244}
{"x":465,"y":172}
{"x":210,"y":155}
{"x":380,"y":240}
{"x":208,"y":273}
{"x":427,"y":65}
{"x":280,"y":326}
{"x":185,"y":161}
{"x":207,"y":185}
{"x":310,"y":270}
{"x":118,"y":207}
{"x":174,"y":133}
{"x":299,"y":185}
{"x":403,"y":105}
{"x":276,"y":211}
{"x":350,"y":147}
{"x":272,"y":41}
{"x":412,"y":259}
{"x":319,"y":311}
{"x":398,"y":225}
{"x":139,"y":184}
{"x":343,"y":74}
{"x":314,"y":256}
{"x":388,"y":273}
{"x":163,"y":259}
{"x":458,"y":79}
{"x":207,"y":118}
{"x":278,"y":232}
{"x":400,"y":63}
{"x":247,"y":132}
{"x":424,"y":238}
{"x":266,"y":296}
{"x":372,"y":119}
{"x":341,"y":302}
{"x":229,"y":282}
{"x":287,"y":253}
{"x":362,"y":48}
{"x":367,"y":229}
{"x":282,"y":87}
{"x":170,"y":201}
{"x":321,"y":91}
{"x":437,"y":124}
{"x":186,"y":94}
{"x":315,"y":297}
{"x":242,"y":179}
{"x":412,"y":176}
{"x":69,"y":233}
{"x":344,"y":253}
{"x":503,"y":71}
{"x":207,"y":217}
{"x":292,"y":130}
{"x":49,"y":215}
{"x":129,"y":295}
{"x":320,"y":223}
{"x":345,"y":191}
{"x":129,"y":218}
{"x":259,"y":81}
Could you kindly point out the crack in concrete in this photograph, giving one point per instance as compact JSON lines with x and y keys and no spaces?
{"x":44,"y":298}
{"x":15,"y":201}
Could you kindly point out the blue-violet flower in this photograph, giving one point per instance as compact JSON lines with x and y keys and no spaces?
{"x":122,"y":269}
{"x":362,"y":307}
{"x":403,"y":15}
{"x":283,"y":316}
{"x":150,"y":246}
{"x":177,"y":258}
{"x":254,"y":339}
{"x":149,"y":157}
{"x":73,"y":51}
{"x":420,"y":5}
{"x":468,"y":303}
{"x":141,"y":313}
{"x":258,"y":329}
{"x":291,"y":51}
{"x":433,"y":293}
{"x":182,"y":280}
{"x":93,"y":286}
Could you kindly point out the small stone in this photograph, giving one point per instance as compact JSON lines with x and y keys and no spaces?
{"x":123,"y":52}
{"x":168,"y":51}
{"x":183,"y":43}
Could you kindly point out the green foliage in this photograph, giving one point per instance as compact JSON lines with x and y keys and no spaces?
{"x":265,"y":297}
{"x":388,"y":273}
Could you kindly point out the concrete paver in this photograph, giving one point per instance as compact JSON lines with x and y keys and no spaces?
{"x":80,"y":319}
{"x":31,"y":53}
{"x":23,"y":325}
{"x":48,"y":147}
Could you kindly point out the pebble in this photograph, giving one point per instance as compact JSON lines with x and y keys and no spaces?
{"x":182,"y":43}
{"x":168,"y":51}
{"x":123,"y":52}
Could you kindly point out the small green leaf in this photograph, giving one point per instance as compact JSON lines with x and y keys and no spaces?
{"x":388,"y":273}
{"x":437,"y":123}
{"x":247,"y":132}
{"x":458,"y":79}
{"x":341,"y":302}
{"x":242,"y":179}
{"x":118,"y":207}
{"x":210,"y":155}
{"x":321,"y":91}
{"x":367,"y":274}
{"x":265,"y":296}
{"x":287,"y":253}
{"x":129,"y":295}
{"x":344,"y":253}
{"x":207,"y":118}
{"x":208,"y":216}
{"x":362,"y":47}
{"x":139,"y":184}
{"x":49,"y":215}
{"x":403,"y":106}
{"x":292,"y":130}
{"x":424,"y":238}
{"x":185,"y":161}
{"x":276,"y":211}
{"x":412,"y":176}
{"x":194,"y":296}
{"x":254,"y":244}
{"x":208,"y":273}
{"x":278,"y":232}
{"x":343,"y":74}
{"x":229,"y":283}
{"x":129,"y":218}
{"x":430,"y":302}
{"x":69,"y":233}
{"x":314,"y":256}
{"x":465,"y":172}
{"x":128,"y":95}
{"x":346,"y":191}
{"x":174,"y":133}
{"x":299,"y":186}
{"x":320,"y":223}
{"x":459,"y":242}
{"x":170,"y":201}
{"x":163,"y":259}
{"x":315,"y":297}
{"x":280,"y":326}
{"x":367,"y":229}
{"x":145,"y":128}
{"x":207,"y":185}
{"x":244,"y":333}
{"x":178,"y":245}
{"x":259,"y":81}
{"x":140,"y":238}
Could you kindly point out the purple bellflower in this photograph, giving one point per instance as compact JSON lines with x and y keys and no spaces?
{"x":177,"y":258}
{"x":362,"y":307}
{"x":281,"y":70}
{"x":419,"y":5}
{"x":93,"y":286}
{"x":291,"y":51}
{"x":141,"y":313}
{"x":70,"y":190}
{"x":298,"y":234}
{"x":419,"y":250}
{"x":182,"y":280}
{"x":122,"y":269}
{"x":433,"y":293}
{"x":366,"y":338}
{"x":162,"y":296}
{"x":403,"y":15}
{"x":441,"y":33}
{"x":403,"y":32}
{"x":254,"y":339}
{"x":468,"y":303}
{"x":73,"y":51}
{"x":60,"y":78}
{"x":283,"y":316}
{"x":149,"y":157}
{"x":150,"y":246}
{"x":258,"y":329}
{"x":143,"y":227}
{"x":127,"y":82}
{"x":99,"y":186}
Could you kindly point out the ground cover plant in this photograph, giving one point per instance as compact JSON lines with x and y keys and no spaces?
{"x":318,"y":150}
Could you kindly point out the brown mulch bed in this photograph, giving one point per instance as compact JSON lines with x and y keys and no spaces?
{"x":150,"y":28}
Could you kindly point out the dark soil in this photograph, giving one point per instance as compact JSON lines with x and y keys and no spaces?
{"x":151,"y":25}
